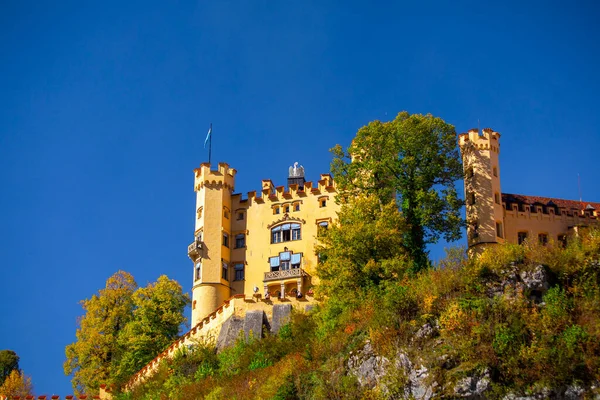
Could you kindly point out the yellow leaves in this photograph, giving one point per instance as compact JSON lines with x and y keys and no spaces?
{"x":452,"y":319}
{"x":17,"y":384}
{"x":428,"y":303}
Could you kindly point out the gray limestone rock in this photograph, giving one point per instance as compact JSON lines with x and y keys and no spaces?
{"x":371,"y":370}
{"x":368,"y":367}
{"x":536,"y":279}
{"x":417,"y":386}
{"x":574,"y":392}
{"x":253,"y":324}
{"x":473,"y":387}
{"x":230,"y":332}
{"x":427,"y":330}
{"x":281,"y":316}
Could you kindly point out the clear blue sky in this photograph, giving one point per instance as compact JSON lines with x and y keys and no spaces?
{"x":104,"y":108}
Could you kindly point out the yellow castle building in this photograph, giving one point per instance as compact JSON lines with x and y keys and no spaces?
{"x":496,"y":217}
{"x":261,"y":245}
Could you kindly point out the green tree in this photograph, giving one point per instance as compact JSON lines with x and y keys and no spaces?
{"x":16,"y":384}
{"x":9,"y":361}
{"x":156,"y":323}
{"x":93,"y":358}
{"x":123,"y":328}
{"x":415,"y":161}
{"x":364,"y":250}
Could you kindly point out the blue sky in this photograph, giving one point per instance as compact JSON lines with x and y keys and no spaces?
{"x":104,"y":108}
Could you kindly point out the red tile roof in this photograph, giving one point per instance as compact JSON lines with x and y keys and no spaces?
{"x":548,"y":201}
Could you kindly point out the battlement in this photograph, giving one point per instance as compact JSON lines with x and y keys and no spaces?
{"x":223,"y":176}
{"x":488,"y":139}
{"x":213,"y":328}
{"x":273,"y":194}
{"x":104,"y":394}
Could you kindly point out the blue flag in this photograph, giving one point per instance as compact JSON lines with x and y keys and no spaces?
{"x":208,"y":135}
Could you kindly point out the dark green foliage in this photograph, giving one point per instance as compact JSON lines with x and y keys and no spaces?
{"x":414,"y":162}
{"x":123,"y":328}
{"x":9,"y":361}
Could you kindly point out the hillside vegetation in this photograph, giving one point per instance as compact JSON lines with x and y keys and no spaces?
{"x":517,"y":320}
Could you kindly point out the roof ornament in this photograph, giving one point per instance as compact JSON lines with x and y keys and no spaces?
{"x":296,"y":171}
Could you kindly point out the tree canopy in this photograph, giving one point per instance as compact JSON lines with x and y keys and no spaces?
{"x":9,"y":361}
{"x":123,"y":322}
{"x":414,"y":162}
{"x":16,"y":384}
{"x":364,"y":250}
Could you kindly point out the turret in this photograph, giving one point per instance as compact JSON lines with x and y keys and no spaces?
{"x":483,"y":194}
{"x":210,"y":250}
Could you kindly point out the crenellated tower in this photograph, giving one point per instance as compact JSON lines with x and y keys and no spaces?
{"x":210,"y":250}
{"x":483,"y":194}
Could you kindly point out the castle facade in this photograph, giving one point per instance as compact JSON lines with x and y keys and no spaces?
{"x":496,"y":217}
{"x":261,"y":246}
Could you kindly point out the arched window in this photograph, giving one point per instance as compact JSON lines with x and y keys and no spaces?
{"x":285,"y":233}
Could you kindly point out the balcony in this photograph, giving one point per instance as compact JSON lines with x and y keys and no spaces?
{"x":284,"y":274}
{"x":195,"y":250}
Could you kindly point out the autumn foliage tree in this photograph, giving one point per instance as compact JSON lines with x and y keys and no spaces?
{"x":123,"y":322}
{"x":16,"y":384}
{"x":414,"y":162}
{"x":9,"y":361}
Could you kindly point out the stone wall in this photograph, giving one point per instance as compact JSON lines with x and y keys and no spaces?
{"x":253,"y":316}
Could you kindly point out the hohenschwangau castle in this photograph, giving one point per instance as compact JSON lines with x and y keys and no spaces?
{"x":253,"y":256}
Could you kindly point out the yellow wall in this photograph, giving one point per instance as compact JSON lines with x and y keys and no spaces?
{"x":215,"y":199}
{"x":542,"y":221}
{"x":480,"y":153}
{"x":481,"y":156}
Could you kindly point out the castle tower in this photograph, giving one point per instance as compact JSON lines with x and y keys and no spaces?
{"x":210,"y":250}
{"x":483,"y":195}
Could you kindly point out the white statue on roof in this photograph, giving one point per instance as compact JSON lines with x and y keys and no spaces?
{"x":296,"y":171}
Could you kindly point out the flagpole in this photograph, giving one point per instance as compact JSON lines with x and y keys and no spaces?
{"x":210,"y":143}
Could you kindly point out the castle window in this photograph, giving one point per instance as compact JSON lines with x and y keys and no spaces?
{"x":521,"y":237}
{"x":562,"y":240}
{"x":322,"y":227}
{"x":225,"y":239}
{"x":297,"y":207}
{"x":240,"y":241}
{"x":194,"y":305}
{"x":199,"y":212}
{"x":286,"y":209}
{"x":543,"y":239}
{"x":497,"y":198}
{"x":276,"y":210}
{"x":495,"y":171}
{"x":224,"y":271}
{"x":198,"y":271}
{"x":285,"y":233}
{"x":239,"y":271}
{"x":285,"y":260}
{"x":226,"y":213}
{"x":470,"y":172}
{"x":323,"y":203}
{"x":471,"y":198}
{"x":499,"y":232}
{"x":240,"y":216}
